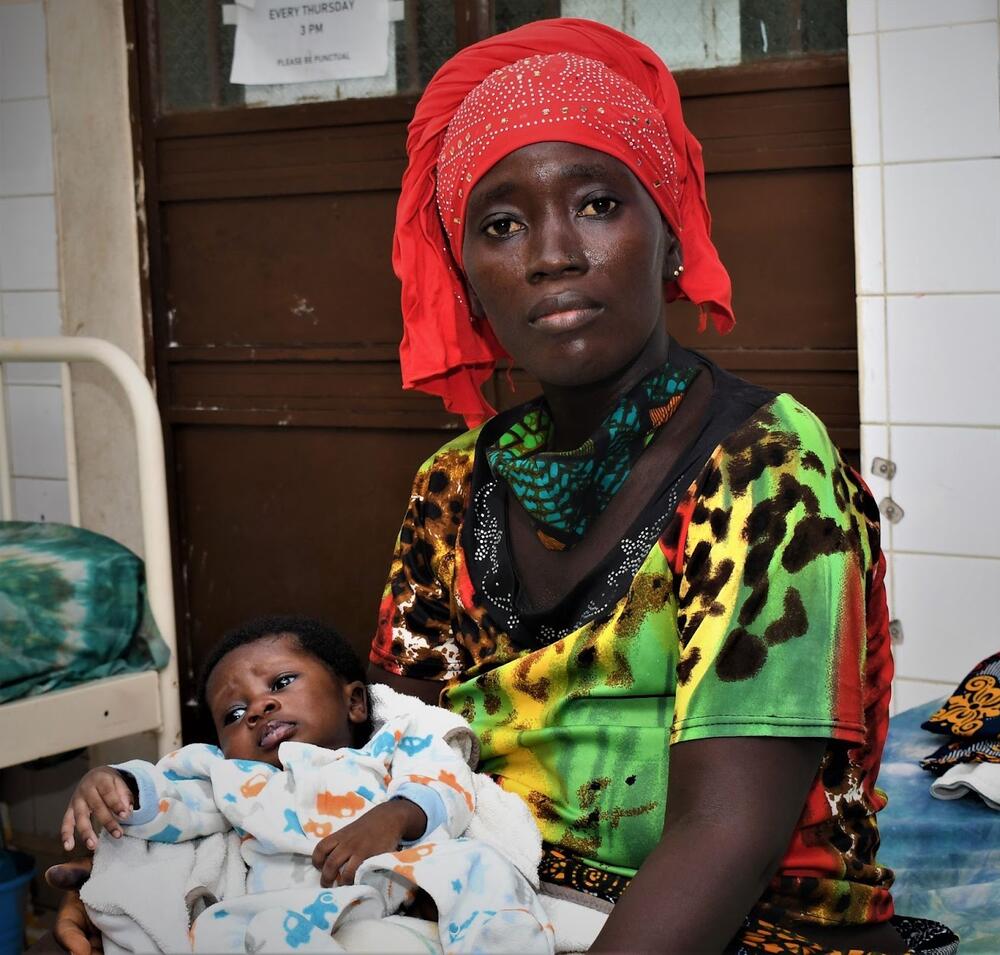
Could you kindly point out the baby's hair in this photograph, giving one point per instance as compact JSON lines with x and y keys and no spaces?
{"x":314,"y":637}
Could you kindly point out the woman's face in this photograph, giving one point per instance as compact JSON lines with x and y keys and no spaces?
{"x":565,"y":254}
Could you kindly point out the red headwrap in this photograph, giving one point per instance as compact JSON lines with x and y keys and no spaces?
{"x":539,"y":83}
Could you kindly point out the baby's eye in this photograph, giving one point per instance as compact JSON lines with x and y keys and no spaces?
{"x":501,"y":228}
{"x":233,"y":715}
{"x":282,"y":681}
{"x":601,"y":206}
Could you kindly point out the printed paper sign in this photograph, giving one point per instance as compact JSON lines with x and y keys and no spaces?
{"x":289,"y":42}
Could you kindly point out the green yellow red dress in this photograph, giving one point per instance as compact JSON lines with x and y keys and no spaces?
{"x":747,"y":599}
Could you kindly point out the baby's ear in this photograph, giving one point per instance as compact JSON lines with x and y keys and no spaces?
{"x":356,"y":696}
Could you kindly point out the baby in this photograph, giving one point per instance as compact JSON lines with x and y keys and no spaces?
{"x":318,"y":801}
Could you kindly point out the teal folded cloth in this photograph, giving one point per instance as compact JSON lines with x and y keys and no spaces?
{"x":73,"y":608}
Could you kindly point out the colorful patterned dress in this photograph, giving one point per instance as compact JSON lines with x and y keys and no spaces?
{"x":747,"y":599}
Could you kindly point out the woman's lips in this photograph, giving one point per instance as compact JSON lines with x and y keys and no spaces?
{"x":566,"y":320}
{"x":275,"y":732}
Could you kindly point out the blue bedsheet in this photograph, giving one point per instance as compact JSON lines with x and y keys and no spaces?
{"x":946,"y":854}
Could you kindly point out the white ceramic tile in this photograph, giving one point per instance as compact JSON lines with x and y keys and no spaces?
{"x":942,"y":226}
{"x":23,"y":64}
{"x":28,"y":244}
{"x":931,"y":332}
{"x":900,"y":14}
{"x":933,"y":468}
{"x":863,"y":62}
{"x":943,"y":638}
{"x":906,"y":694}
{"x":940,"y":96}
{"x":40,"y":499}
{"x":868,"y":230}
{"x":875,"y":444}
{"x":26,"y":315}
{"x":860,"y":16}
{"x":25,"y":148}
{"x":872,"y":358}
{"x":35,"y":429}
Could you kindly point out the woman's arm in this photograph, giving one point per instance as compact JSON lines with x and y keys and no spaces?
{"x":732,"y":805}
{"x":427,"y":690}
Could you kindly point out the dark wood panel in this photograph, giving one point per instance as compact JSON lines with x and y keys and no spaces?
{"x":787,"y":239}
{"x":306,"y":394}
{"x":278,"y":520}
{"x":282,"y":271}
{"x":773,"y":129}
{"x":294,"y":162}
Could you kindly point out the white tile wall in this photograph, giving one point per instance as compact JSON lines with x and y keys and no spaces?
{"x":942,"y":226}
{"x":868,"y":239}
{"x":23,"y":67}
{"x":863,"y":65}
{"x":871,"y":356}
{"x":943,"y":639}
{"x":25,"y":147}
{"x":927,"y":218}
{"x":28,"y":243}
{"x":907,"y":694}
{"x":29,"y":280}
{"x":931,"y":333}
{"x":41,"y":499}
{"x":934,"y":467}
{"x":35,"y":414}
{"x":24,"y":315}
{"x":901,"y":14}
{"x":940,"y":93}
{"x":861,"y":16}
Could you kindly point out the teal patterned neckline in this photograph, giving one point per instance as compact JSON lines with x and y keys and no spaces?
{"x":563,"y":491}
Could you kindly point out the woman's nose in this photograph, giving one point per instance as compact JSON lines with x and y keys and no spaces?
{"x":555,"y":251}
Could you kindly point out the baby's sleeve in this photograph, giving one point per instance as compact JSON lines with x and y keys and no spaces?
{"x":430,"y":773}
{"x":176,"y":802}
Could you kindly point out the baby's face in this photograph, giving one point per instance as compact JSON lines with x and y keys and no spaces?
{"x":272,"y":690}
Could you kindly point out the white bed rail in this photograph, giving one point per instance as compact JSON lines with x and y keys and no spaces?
{"x":119,"y":706}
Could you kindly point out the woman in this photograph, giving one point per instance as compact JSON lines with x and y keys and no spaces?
{"x":660,"y":585}
{"x":657,"y":585}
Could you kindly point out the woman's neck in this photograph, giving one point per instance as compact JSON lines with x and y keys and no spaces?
{"x":578,"y":411}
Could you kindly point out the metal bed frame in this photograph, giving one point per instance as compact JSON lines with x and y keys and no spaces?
{"x":101,"y":710}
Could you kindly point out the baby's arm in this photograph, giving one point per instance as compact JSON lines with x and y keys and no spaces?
{"x":169,"y":802}
{"x":429,"y":772}
{"x":103,"y":794}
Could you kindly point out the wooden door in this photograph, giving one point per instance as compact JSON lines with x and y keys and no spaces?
{"x":274,"y":317}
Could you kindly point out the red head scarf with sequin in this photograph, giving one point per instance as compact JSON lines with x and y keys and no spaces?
{"x":555,"y":80}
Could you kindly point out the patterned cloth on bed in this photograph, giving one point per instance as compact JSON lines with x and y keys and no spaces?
{"x":73,"y":608}
{"x":946,"y":855}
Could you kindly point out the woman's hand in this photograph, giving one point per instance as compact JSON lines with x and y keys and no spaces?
{"x":73,"y":931}
{"x":103,"y":794}
{"x":379,"y":830}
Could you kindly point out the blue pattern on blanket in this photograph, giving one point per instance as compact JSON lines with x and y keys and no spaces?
{"x":73,"y":608}
{"x":946,"y":854}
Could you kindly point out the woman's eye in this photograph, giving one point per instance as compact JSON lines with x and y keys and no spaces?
{"x":282,"y":681}
{"x":501,"y":228}
{"x":599,"y":207}
{"x":233,"y":715}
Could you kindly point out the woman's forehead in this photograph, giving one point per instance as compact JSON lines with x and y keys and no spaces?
{"x":541,"y":163}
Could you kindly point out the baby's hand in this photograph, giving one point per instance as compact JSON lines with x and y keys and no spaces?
{"x":102,"y":793}
{"x":381,"y":829}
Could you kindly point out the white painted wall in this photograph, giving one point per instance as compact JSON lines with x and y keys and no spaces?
{"x":29,"y":275}
{"x":925,"y":117}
